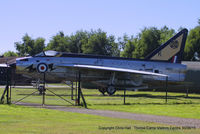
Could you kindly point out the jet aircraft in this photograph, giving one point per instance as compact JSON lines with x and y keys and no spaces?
{"x":109,"y":74}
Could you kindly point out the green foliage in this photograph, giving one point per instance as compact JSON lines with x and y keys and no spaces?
{"x":59,"y":43}
{"x":115,"y":50}
{"x":129,"y":48}
{"x":93,"y":42}
{"x":123,"y":40}
{"x":192,"y":43}
{"x":10,"y":54}
{"x":29,"y":46}
{"x":199,"y":21}
{"x":145,"y":42}
{"x":39,"y":45}
{"x":166,"y":34}
{"x":98,"y":43}
{"x":77,"y":40}
{"x":148,"y":40}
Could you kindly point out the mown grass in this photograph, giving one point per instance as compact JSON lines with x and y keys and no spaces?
{"x":24,"y":120}
{"x":18,"y":120}
{"x":178,"y":104}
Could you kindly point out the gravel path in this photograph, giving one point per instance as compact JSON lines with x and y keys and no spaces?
{"x":124,"y":115}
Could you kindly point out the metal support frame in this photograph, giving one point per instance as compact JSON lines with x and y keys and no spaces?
{"x":79,"y":87}
{"x":44,"y":89}
{"x":124,"y":96}
{"x":187,"y":91}
{"x":76,"y":90}
{"x":72,"y":90}
{"x":59,"y":96}
{"x":7,"y":90}
{"x":80,"y":94}
{"x":25,"y":97}
{"x":7,"y":93}
{"x":166,"y":89}
{"x":8,"y":83}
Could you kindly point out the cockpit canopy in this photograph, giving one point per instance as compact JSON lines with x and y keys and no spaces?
{"x":49,"y":53}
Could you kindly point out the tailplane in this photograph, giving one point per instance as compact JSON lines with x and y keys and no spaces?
{"x":172,"y":50}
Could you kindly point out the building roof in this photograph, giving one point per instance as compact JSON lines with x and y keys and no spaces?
{"x":8,"y":60}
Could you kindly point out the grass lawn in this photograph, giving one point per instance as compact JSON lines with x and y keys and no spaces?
{"x":24,"y":120}
{"x":150,"y":103}
{"x":136,"y":102}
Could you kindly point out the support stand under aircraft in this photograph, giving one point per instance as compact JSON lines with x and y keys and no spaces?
{"x":42,"y":89}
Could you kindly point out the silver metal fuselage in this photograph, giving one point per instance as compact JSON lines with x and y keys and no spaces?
{"x":57,"y":72}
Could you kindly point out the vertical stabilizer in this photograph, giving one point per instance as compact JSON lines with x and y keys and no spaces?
{"x":172,"y":50}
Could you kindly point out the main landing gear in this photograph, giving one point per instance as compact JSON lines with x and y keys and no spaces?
{"x":110,"y":90}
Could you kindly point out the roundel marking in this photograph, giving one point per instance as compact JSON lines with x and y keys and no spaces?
{"x":174,"y":44}
{"x":42,"y":68}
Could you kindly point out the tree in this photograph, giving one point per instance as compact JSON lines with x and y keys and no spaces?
{"x":129,"y":48}
{"x":98,"y":43}
{"x":29,"y":46}
{"x":24,"y":48}
{"x":10,"y":54}
{"x":77,"y":40}
{"x":148,"y":40}
{"x":59,"y":43}
{"x":115,"y":50}
{"x":192,"y":43}
{"x":166,"y":34}
{"x":123,"y":40}
{"x":199,"y":21}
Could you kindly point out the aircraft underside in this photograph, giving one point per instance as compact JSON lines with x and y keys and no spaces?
{"x":105,"y":81}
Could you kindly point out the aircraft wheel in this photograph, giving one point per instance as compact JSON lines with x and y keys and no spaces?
{"x":102,"y":90}
{"x":111,"y":90}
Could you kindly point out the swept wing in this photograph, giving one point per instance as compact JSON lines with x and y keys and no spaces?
{"x":114,"y":69}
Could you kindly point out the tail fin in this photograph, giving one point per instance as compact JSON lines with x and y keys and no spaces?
{"x":172,"y":50}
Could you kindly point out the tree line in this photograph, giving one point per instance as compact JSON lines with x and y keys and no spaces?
{"x":100,"y":43}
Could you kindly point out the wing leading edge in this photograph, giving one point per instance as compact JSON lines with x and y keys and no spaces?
{"x":115,"y":69}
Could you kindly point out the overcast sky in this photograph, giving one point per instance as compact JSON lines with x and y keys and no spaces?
{"x":45,"y":18}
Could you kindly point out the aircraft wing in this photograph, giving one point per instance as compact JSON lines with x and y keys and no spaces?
{"x":114,"y":69}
